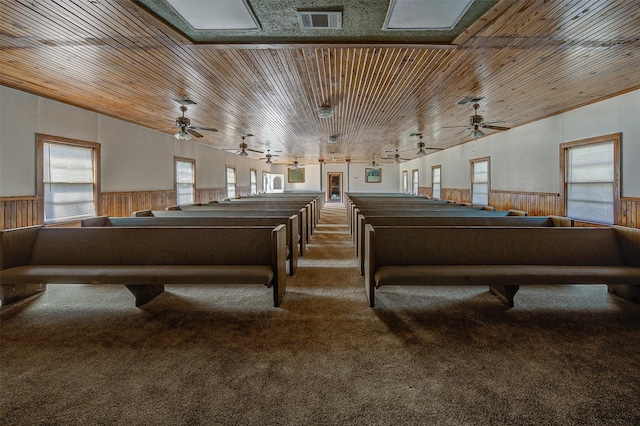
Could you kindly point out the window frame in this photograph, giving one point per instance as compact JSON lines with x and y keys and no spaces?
{"x":415,"y":181}
{"x":227,"y":183}
{"x":617,"y":164}
{"x":433,"y":182}
{"x":175,"y":176}
{"x":472,"y":163}
{"x":41,"y":140}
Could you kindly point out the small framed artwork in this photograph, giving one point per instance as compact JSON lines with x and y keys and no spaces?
{"x":296,"y":175}
{"x":372,"y":175}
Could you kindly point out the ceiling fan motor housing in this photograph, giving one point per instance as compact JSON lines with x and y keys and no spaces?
{"x":183,"y":122}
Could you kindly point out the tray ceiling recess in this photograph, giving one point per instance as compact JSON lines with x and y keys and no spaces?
{"x":291,"y":22}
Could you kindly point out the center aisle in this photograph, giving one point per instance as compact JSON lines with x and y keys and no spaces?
{"x":329,"y":269}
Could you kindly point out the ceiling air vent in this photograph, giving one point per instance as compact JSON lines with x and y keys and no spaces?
{"x":320,"y":20}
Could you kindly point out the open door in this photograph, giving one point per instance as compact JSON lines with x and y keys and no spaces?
{"x":335,"y":187}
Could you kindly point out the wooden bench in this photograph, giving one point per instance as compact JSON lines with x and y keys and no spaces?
{"x":508,"y":221}
{"x":143,"y":259}
{"x":294,"y":245}
{"x":502,"y":258}
{"x":232,"y":214}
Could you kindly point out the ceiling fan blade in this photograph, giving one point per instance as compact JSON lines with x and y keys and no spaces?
{"x":193,"y":133}
{"x":485,"y":126}
{"x":209,"y":129}
{"x":452,"y":127}
{"x":435,"y":149}
{"x":253,"y":150}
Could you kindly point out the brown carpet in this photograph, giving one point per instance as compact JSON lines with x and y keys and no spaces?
{"x":222,"y":355}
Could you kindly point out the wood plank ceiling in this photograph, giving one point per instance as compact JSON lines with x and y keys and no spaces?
{"x":527,"y":59}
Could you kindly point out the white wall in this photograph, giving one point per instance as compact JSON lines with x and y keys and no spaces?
{"x":134,"y":158}
{"x":390,"y":179}
{"x":527,"y":158}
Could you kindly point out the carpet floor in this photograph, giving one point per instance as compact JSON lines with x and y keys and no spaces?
{"x":223,"y":355}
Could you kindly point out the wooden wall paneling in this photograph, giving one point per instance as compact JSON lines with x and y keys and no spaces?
{"x":16,"y":212}
{"x":458,"y":195}
{"x":123,"y":204}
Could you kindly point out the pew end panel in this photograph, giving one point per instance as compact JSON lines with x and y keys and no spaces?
{"x":16,"y":246}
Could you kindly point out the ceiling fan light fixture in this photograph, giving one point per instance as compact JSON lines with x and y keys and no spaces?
{"x":243,"y":154}
{"x":183,"y":136}
{"x":325,"y":112}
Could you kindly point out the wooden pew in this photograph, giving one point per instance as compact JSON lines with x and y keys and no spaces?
{"x":292,"y":229}
{"x":143,"y":259}
{"x":302,"y":222}
{"x":507,"y":221}
{"x":502,"y":258}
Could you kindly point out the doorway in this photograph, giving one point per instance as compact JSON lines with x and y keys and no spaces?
{"x":335,"y":187}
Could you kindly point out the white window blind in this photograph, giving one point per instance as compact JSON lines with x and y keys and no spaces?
{"x":405,"y":182}
{"x":254,"y":182}
{"x":69,"y":185}
{"x":590,"y":182}
{"x":480,"y":183}
{"x":231,"y":182}
{"x":436,"y":182}
{"x":185,"y":182}
{"x":415,"y":181}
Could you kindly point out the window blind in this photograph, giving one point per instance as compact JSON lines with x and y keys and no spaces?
{"x":231,"y":182}
{"x":480,"y":183}
{"x":590,"y":182}
{"x":436,"y":182}
{"x":185,"y":182}
{"x":68,"y":182}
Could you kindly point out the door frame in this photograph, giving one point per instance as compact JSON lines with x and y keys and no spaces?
{"x":329,"y":175}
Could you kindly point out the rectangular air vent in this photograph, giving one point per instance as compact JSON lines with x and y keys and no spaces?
{"x":320,"y":20}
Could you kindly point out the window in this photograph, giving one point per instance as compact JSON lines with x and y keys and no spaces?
{"x":266,"y":182}
{"x":253,"y":179}
{"x":405,"y":182}
{"x":480,"y":181}
{"x":415,"y":181}
{"x":185,"y":181}
{"x":435,"y":181}
{"x":231,"y":182}
{"x":67,"y":178}
{"x":591,"y":179}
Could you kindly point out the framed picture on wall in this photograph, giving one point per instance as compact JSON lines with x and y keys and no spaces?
{"x":296,"y":175}
{"x":372,"y":175}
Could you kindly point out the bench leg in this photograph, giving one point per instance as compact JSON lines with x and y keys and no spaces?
{"x":145,"y":292}
{"x":505,"y":293}
{"x":629,"y":292}
{"x":13,"y":293}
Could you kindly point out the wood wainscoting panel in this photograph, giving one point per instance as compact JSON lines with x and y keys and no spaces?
{"x":17,"y":212}
{"x":123,"y":204}
{"x":536,"y":204}
{"x":206,"y":195}
{"x":630,"y":212}
{"x":457,"y":195}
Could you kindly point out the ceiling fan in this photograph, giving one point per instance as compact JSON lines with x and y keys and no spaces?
{"x":243,"y":148}
{"x":185,"y":130}
{"x":476,"y":121}
{"x":295,"y":165}
{"x":421,"y":146}
{"x":269,"y":156}
{"x":396,"y":157}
